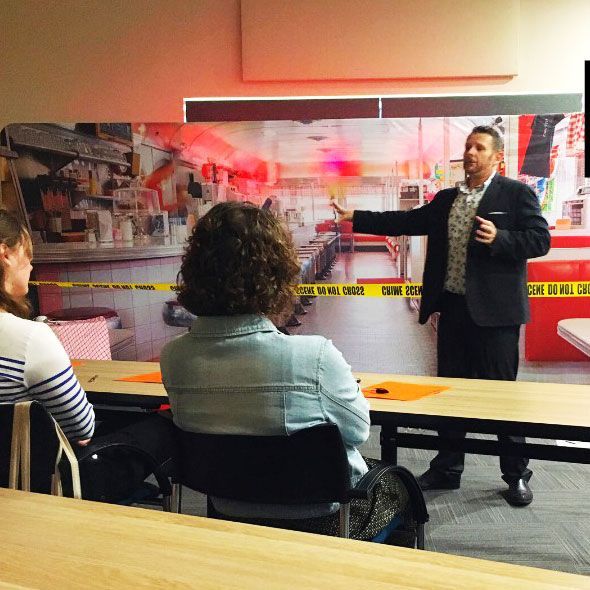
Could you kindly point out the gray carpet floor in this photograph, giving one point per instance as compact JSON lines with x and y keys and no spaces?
{"x":383,"y":335}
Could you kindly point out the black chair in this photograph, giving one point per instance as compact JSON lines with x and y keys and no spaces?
{"x":94,"y":461}
{"x":104,"y":464}
{"x":308,"y":467}
{"x":126,"y":449}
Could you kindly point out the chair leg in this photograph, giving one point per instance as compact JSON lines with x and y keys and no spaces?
{"x":176,"y":498}
{"x":420,"y":536}
{"x":171,"y":503}
{"x":345,"y":520}
{"x":210,"y":509}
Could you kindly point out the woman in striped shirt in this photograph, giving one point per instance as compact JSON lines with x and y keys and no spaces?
{"x":33,"y":363}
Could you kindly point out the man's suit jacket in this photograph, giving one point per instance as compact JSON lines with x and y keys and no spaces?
{"x":495,"y":275}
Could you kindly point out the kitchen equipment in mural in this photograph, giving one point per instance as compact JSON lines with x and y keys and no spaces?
{"x":140,"y":205}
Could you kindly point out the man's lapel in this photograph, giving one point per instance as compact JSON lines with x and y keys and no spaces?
{"x":451,"y":199}
{"x":489,"y":198}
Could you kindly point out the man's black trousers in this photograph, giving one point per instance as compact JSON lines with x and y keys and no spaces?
{"x":471,"y":351}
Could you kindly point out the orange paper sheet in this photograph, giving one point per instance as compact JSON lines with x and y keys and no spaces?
{"x":76,"y":363}
{"x":155,"y":377}
{"x":404,"y":392}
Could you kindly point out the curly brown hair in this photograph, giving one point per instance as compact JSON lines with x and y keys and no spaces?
{"x":239,"y":260}
{"x":13,"y":233}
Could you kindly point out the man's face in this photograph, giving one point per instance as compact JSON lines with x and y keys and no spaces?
{"x":479,"y":158}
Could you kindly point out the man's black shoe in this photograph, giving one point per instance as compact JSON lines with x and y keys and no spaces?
{"x":431,"y":480}
{"x":518,"y":493}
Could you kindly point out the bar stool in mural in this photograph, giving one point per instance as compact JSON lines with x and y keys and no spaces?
{"x":175,"y":315}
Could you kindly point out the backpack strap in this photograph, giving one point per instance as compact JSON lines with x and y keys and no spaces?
{"x":19,"y":477}
{"x":65,"y":448}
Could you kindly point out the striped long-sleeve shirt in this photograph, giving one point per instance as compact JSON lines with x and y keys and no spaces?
{"x":34,"y":366}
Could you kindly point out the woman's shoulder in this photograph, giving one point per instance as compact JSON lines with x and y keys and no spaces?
{"x":175,"y":349}
{"x":22,"y":339}
{"x":309,"y":345}
{"x":18,"y":326}
{"x":24,"y":330}
{"x":305,"y":340}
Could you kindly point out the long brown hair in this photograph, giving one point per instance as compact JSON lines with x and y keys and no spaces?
{"x":13,"y":233}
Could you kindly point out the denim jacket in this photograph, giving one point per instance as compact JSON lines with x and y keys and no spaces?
{"x":240,"y":375}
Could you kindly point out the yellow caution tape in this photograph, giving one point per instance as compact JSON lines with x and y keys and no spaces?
{"x":92,"y":285}
{"x":560,"y":289}
{"x":390,"y":290}
{"x":369,"y":290}
{"x":394,"y":290}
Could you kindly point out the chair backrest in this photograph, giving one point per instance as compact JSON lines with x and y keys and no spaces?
{"x":307,"y":467}
{"x":44,"y":446}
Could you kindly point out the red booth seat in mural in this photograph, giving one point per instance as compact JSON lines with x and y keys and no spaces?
{"x":368,"y":238}
{"x":542,"y":342}
{"x":325,"y":226}
{"x":381,"y":280}
{"x":570,"y":241}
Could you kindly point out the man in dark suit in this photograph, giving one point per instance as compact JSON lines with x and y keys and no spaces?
{"x":480,"y":236}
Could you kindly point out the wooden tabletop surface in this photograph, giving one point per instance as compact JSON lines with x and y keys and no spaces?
{"x":49,"y":542}
{"x":101,"y":376}
{"x":519,"y":401}
{"x":513,"y":401}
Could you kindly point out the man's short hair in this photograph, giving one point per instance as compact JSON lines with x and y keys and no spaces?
{"x":498,"y":140}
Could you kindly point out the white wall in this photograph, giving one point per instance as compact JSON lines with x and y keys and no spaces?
{"x":135,"y":60}
{"x":311,"y":40}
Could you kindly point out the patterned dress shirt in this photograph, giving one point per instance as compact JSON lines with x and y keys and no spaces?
{"x":461,"y":218}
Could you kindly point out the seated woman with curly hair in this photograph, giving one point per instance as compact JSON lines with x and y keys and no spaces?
{"x":235,"y":372}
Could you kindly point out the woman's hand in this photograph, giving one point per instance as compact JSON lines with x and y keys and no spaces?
{"x":83,"y":443}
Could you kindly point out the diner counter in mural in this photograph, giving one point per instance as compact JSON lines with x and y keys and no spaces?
{"x":139,"y":310}
{"x":90,"y":252}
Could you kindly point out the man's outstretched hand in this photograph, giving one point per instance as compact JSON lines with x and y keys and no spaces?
{"x":343,"y":214}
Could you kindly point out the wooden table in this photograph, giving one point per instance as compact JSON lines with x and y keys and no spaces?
{"x":99,"y":380}
{"x":61,"y":543}
{"x":537,"y":410}
{"x":525,"y":408}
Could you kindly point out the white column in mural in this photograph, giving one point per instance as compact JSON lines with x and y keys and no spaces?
{"x":447,"y":181}
{"x":420,"y":174}
{"x":564,"y":173}
{"x":511,"y":146}
{"x":395,"y":203}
